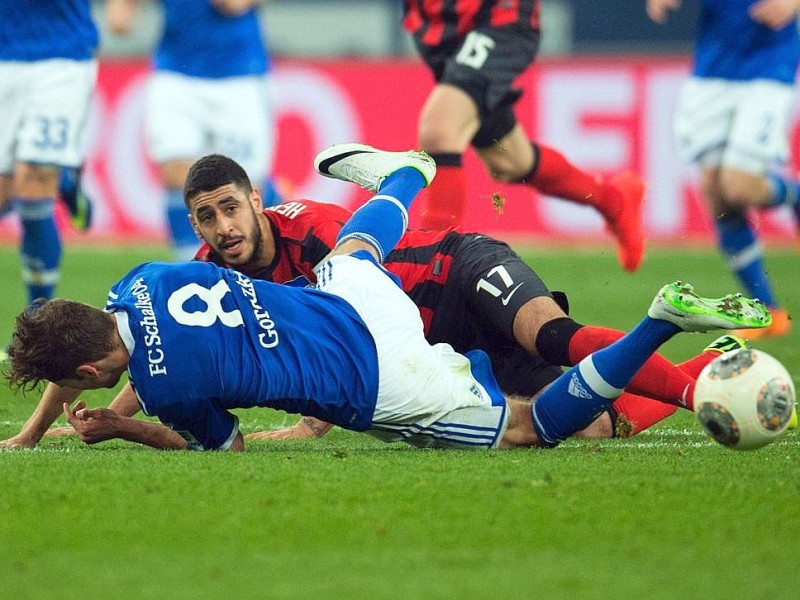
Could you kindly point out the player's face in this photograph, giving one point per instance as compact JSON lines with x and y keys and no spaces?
{"x":227,"y":220}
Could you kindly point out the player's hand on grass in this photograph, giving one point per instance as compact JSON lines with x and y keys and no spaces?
{"x":307,"y":427}
{"x":92,"y":424}
{"x":16,"y":442}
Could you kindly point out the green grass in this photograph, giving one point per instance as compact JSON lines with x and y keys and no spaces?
{"x":666,"y":514}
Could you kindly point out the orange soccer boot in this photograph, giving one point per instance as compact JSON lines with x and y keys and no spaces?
{"x":626,"y":225}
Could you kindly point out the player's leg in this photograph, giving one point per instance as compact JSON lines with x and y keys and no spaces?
{"x":474,"y":76}
{"x":758,"y":140}
{"x":56,"y":104}
{"x":40,"y":246}
{"x":6,"y":206}
{"x":448,"y":121}
{"x":547,"y":170}
{"x":589,"y":388}
{"x":175,"y":139}
{"x":239,"y":122}
{"x":734,"y":131}
{"x":183,"y":239}
{"x":396,"y":177}
{"x":632,"y":413}
{"x":504,"y":300}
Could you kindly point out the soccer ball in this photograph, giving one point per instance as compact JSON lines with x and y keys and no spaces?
{"x":744,"y":399}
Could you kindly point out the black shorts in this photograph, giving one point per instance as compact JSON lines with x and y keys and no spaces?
{"x":487,"y":285}
{"x":485,"y":64}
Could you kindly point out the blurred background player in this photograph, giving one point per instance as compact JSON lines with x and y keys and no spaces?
{"x":208,"y":93}
{"x":475,"y":50}
{"x":732,"y":120}
{"x":48,"y":70}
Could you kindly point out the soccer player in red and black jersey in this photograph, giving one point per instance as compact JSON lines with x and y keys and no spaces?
{"x":475,"y":50}
{"x":472,"y":292}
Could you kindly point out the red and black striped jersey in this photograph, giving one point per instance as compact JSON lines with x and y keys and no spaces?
{"x":305,"y":232}
{"x":434,"y":21}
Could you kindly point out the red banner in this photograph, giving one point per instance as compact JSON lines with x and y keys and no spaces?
{"x":605,"y":115}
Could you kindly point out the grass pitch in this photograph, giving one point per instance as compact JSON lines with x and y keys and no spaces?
{"x":663,"y":515}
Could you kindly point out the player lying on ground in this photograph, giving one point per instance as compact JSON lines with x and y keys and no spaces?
{"x":198,"y":341}
{"x":471,"y":290}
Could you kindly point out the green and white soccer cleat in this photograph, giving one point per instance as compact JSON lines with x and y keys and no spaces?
{"x":726,"y":343}
{"x":368,"y":167}
{"x":679,"y":304}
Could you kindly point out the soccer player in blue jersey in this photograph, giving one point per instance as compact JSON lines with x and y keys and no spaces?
{"x":47,"y":73}
{"x":198,"y":340}
{"x":732,"y":121}
{"x":208,"y":94}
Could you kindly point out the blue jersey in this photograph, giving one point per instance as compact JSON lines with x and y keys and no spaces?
{"x":43,"y":29}
{"x":200,"y":41}
{"x":730,"y":45}
{"x":204,"y":340}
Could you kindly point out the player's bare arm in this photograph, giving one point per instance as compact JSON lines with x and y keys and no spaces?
{"x":47,"y":411}
{"x":95,"y":425}
{"x":307,"y":427}
{"x":658,"y":10}
{"x":775,"y":14}
{"x":124,"y":404}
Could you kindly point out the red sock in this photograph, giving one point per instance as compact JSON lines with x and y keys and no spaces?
{"x":446,"y":194}
{"x":658,"y":378}
{"x":637,"y":413}
{"x":554,"y":175}
{"x":694,"y":365}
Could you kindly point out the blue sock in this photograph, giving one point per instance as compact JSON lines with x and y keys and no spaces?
{"x":184,"y":240}
{"x":784,"y":190}
{"x":586,"y":390}
{"x":744,"y":255}
{"x":384,"y":218}
{"x":40,"y":248}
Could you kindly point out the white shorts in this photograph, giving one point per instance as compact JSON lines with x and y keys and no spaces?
{"x":43,"y":110}
{"x":427,"y":395}
{"x":189,"y":117}
{"x":742,"y":124}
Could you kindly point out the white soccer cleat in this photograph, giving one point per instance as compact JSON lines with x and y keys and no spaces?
{"x":368,"y":167}
{"x":679,"y":304}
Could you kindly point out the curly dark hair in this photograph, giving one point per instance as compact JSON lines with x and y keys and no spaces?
{"x":214,"y":171}
{"x":52,"y":338}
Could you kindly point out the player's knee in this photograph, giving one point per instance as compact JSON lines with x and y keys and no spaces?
{"x":553,"y":338}
{"x":738,"y":189}
{"x":437,"y":137}
{"x":504,"y":167}
{"x":35,"y":181}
